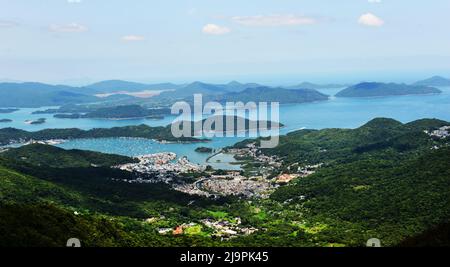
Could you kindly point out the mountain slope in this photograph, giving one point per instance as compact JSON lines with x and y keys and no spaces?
{"x":316,"y":146}
{"x":39,"y":94}
{"x":434,"y":81}
{"x":47,"y":225}
{"x":389,"y":199}
{"x":45,"y":155}
{"x":308,"y":85}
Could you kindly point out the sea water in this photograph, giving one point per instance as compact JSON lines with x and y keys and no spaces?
{"x":334,"y":113}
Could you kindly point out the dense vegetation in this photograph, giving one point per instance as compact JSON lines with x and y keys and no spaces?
{"x":50,"y":156}
{"x":385,"y":179}
{"x":373,"y":89}
{"x":313,"y":86}
{"x":113,"y":86}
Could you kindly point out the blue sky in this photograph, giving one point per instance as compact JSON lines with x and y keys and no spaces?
{"x":271,"y":41}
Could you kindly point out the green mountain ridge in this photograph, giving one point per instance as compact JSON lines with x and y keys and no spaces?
{"x":385,"y":179}
{"x":51,"y":156}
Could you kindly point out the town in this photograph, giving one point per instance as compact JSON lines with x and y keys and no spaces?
{"x":256,"y":183}
{"x":163,"y":163}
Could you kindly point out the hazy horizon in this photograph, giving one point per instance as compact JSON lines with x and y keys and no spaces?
{"x":78,"y":42}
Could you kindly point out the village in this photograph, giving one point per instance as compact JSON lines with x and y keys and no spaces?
{"x":162,"y":163}
{"x":230,"y":184}
{"x":257,"y":183}
{"x":441,"y":133}
{"x":224,"y":228}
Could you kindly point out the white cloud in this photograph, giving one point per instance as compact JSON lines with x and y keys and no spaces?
{"x":215,"y":29}
{"x":133,"y":38}
{"x":72,"y":27}
{"x":274,"y":20}
{"x":374,"y":1}
{"x":371,"y":20}
{"x":74,"y":1}
{"x":7,"y":24}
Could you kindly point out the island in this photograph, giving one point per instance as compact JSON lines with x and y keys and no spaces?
{"x":36,"y":122}
{"x":155,"y":117}
{"x":308,"y":85}
{"x":68,"y":116}
{"x":34,"y":94}
{"x":374,"y":89}
{"x":434,"y":81}
{"x":270,"y":94}
{"x":8,"y":110}
{"x":207,"y":150}
{"x":126,"y":112}
{"x":5,"y":120}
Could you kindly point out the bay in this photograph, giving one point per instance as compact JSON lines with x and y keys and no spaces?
{"x":334,"y":113}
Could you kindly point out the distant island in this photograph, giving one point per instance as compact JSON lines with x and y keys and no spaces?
{"x":5,"y":120}
{"x":112,"y":86}
{"x":248,"y":125}
{"x":373,"y":89}
{"x":434,"y":81}
{"x":68,"y":116}
{"x":126,"y":112}
{"x":30,"y":95}
{"x":8,"y":110}
{"x":269,"y":94}
{"x":308,"y":85}
{"x":117,"y":112}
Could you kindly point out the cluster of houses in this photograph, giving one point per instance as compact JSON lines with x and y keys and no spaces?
{"x":251,"y":151}
{"x":193,"y":189}
{"x":162,"y":163}
{"x":224,"y":229}
{"x":442,"y":132}
{"x":230,"y":184}
{"x":179,"y":230}
{"x":237,"y":186}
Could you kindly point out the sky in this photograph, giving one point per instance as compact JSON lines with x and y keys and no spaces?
{"x":268,"y":41}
